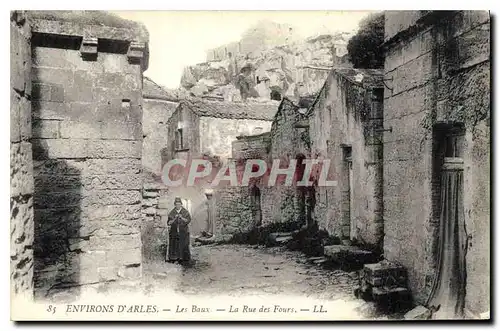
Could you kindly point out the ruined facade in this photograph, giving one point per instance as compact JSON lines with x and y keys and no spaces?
{"x":343,"y":124}
{"x":209,"y":128}
{"x":200,"y":126}
{"x":280,"y":203}
{"x":82,"y":72}
{"x":437,"y":74}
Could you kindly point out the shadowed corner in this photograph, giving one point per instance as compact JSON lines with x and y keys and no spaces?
{"x":59,"y":237}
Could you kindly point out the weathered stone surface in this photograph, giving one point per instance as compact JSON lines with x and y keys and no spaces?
{"x":418,"y":313}
{"x":46,"y":129}
{"x":84,"y":148}
{"x":21,"y":169}
{"x":460,"y":79}
{"x":21,"y":163}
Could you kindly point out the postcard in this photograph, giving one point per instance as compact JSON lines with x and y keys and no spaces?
{"x":250,"y":165}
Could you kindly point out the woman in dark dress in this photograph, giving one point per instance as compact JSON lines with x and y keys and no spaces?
{"x":178,"y":236}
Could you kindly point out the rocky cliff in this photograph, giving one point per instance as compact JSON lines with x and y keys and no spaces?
{"x":281,"y":64}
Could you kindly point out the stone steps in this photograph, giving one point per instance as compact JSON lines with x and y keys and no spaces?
{"x":279,"y":238}
{"x":351,"y":255}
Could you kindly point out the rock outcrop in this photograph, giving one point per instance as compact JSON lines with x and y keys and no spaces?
{"x":282,"y":64}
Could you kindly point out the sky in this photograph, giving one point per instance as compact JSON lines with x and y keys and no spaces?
{"x":181,"y":38}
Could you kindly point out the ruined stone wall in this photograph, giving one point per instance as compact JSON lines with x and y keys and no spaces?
{"x":252,"y":147}
{"x":87,"y":149}
{"x":154,"y":230}
{"x":439,"y":74}
{"x":156,"y":113}
{"x":341,"y":117}
{"x":233,"y":212}
{"x":189,"y":122}
{"x":282,"y":204}
{"x":21,"y":163}
{"x":217,"y":134}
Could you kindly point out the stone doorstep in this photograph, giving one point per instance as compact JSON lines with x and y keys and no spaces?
{"x":418,"y":313}
{"x":377,"y":274}
{"x":340,"y":252}
{"x":380,"y":293}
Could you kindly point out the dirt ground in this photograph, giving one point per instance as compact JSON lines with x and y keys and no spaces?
{"x":237,"y":270}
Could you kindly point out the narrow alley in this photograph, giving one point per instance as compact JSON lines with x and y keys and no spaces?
{"x":243,"y":270}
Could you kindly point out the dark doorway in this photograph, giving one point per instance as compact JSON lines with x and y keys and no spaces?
{"x":348,"y":228}
{"x":256,"y":206}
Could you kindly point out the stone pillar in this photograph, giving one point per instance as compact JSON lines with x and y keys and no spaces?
{"x":21,"y":163}
{"x":87,"y":146}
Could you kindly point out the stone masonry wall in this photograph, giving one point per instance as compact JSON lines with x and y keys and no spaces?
{"x":21,"y":163}
{"x":87,"y":147}
{"x":439,"y":74}
{"x":251,"y":147}
{"x":340,"y":118}
{"x":233,"y":212}
{"x":282,"y":204}
{"x":154,"y":125}
{"x":217,"y":134}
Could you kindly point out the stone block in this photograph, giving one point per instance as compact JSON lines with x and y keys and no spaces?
{"x":15,"y":117}
{"x":25,"y":125}
{"x":57,"y":93}
{"x":49,"y":110}
{"x":112,"y":197}
{"x":413,"y":73}
{"x":130,"y":272}
{"x":119,"y":166}
{"x":112,"y":182}
{"x":124,"y":257}
{"x":57,"y":183}
{"x":418,"y":313}
{"x":466,"y":20}
{"x":473,"y":47}
{"x":121,"y":130}
{"x":114,"y":213}
{"x":91,"y":259}
{"x":49,"y":76}
{"x":384,"y":273}
{"x":81,"y":91}
{"x":81,"y":129}
{"x":88,"y":47}
{"x":116,"y":242}
{"x":41,"y":92}
{"x":21,"y":169}
{"x":84,"y":148}
{"x":22,"y":228}
{"x":20,"y":59}
{"x":46,"y":128}
{"x":107,"y":273}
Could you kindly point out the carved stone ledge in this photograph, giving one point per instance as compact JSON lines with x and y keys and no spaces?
{"x":137,"y":53}
{"x":88,"y":48}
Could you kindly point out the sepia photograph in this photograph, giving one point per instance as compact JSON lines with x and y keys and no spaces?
{"x":250,"y":165}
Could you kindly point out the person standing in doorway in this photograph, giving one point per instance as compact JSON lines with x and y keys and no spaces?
{"x":178,"y":236}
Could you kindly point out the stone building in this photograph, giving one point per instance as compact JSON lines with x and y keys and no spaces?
{"x":280,"y":203}
{"x":437,"y":138}
{"x":343,"y":123}
{"x":158,"y":105}
{"x":82,"y":72}
{"x":201,"y":128}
